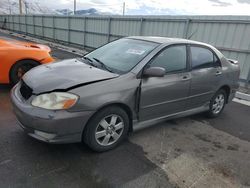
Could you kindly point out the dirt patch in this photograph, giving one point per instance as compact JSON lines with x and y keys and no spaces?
{"x":203,"y":137}
{"x":233,"y":147}
{"x":201,"y":150}
{"x":223,"y":170}
{"x":218,"y":145}
{"x":175,"y":129}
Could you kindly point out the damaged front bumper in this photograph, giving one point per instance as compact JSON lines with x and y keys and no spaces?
{"x":53,"y":126}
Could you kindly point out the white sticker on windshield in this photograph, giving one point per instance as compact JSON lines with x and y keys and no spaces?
{"x":135,"y":51}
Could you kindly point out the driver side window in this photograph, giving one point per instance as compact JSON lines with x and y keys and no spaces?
{"x":172,"y":59}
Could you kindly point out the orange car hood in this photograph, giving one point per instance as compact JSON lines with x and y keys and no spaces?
{"x":19,"y":44}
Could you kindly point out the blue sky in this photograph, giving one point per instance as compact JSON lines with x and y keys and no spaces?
{"x":158,"y":7}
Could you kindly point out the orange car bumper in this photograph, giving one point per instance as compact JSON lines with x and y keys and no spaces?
{"x":48,"y":59}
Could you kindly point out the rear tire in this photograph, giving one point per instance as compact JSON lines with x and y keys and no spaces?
{"x":20,"y":68}
{"x":106,"y":129}
{"x":217,"y":104}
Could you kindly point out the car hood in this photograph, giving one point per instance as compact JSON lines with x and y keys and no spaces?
{"x":23,"y":44}
{"x":64,"y":75}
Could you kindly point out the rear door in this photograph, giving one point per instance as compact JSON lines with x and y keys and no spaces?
{"x":169,"y":94}
{"x":205,"y":75}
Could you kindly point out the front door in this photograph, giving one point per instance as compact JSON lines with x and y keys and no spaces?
{"x":166,"y":95}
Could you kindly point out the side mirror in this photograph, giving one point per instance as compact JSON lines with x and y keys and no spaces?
{"x":154,"y":72}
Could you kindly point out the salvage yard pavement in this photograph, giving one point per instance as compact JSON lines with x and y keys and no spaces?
{"x":194,"y":154}
{"x":186,"y":152}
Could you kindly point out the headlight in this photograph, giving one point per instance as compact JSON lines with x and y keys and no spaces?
{"x":55,"y":100}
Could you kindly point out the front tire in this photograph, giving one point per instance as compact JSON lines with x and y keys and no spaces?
{"x":217,"y":103}
{"x":106,"y":129}
{"x":20,"y":68}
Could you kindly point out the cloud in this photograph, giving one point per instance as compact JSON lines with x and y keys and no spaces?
{"x":146,"y":10}
{"x":244,"y":1}
{"x":221,"y":3}
{"x":155,"y":7}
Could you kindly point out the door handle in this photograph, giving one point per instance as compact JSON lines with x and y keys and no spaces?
{"x":185,"y":78}
{"x":218,"y":73}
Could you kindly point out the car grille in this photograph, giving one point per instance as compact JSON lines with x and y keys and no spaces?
{"x":25,"y":90}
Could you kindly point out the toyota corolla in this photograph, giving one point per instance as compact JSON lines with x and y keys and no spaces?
{"x":123,"y":86}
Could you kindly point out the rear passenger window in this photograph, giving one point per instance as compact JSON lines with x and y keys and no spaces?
{"x":173,"y":59}
{"x":202,"y":58}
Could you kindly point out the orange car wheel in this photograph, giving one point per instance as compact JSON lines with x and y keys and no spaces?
{"x":20,"y":68}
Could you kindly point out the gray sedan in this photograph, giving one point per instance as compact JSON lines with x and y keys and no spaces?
{"x":123,"y":86}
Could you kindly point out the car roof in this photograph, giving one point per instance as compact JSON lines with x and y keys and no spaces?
{"x":166,"y":40}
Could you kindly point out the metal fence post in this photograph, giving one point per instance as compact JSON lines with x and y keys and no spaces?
{"x":109,"y":28}
{"x":10,"y":23}
{"x":13,"y":25}
{"x":141,"y":26}
{"x":186,"y":29}
{"x":248,"y":78}
{"x":84,"y":32}
{"x":19,"y":23}
{"x":34,"y":25}
{"x":43,"y":26}
{"x":7,"y":22}
{"x":14,"y":18}
{"x":53,"y":26}
{"x":26,"y":25}
{"x":69,"y":20}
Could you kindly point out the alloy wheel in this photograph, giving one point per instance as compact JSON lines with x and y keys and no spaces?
{"x":109,"y":130}
{"x":218,"y":103}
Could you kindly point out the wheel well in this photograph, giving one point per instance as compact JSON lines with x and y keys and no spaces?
{"x":122,"y":106}
{"x":226,"y":88}
{"x":38,"y":63}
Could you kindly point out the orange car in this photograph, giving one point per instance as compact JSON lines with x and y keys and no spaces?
{"x":16,"y":58}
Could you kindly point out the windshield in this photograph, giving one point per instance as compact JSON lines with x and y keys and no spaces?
{"x":122,"y":55}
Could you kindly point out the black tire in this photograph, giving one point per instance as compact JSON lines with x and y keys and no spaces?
{"x":25,"y":66}
{"x":89,"y":134}
{"x":211,"y":113}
